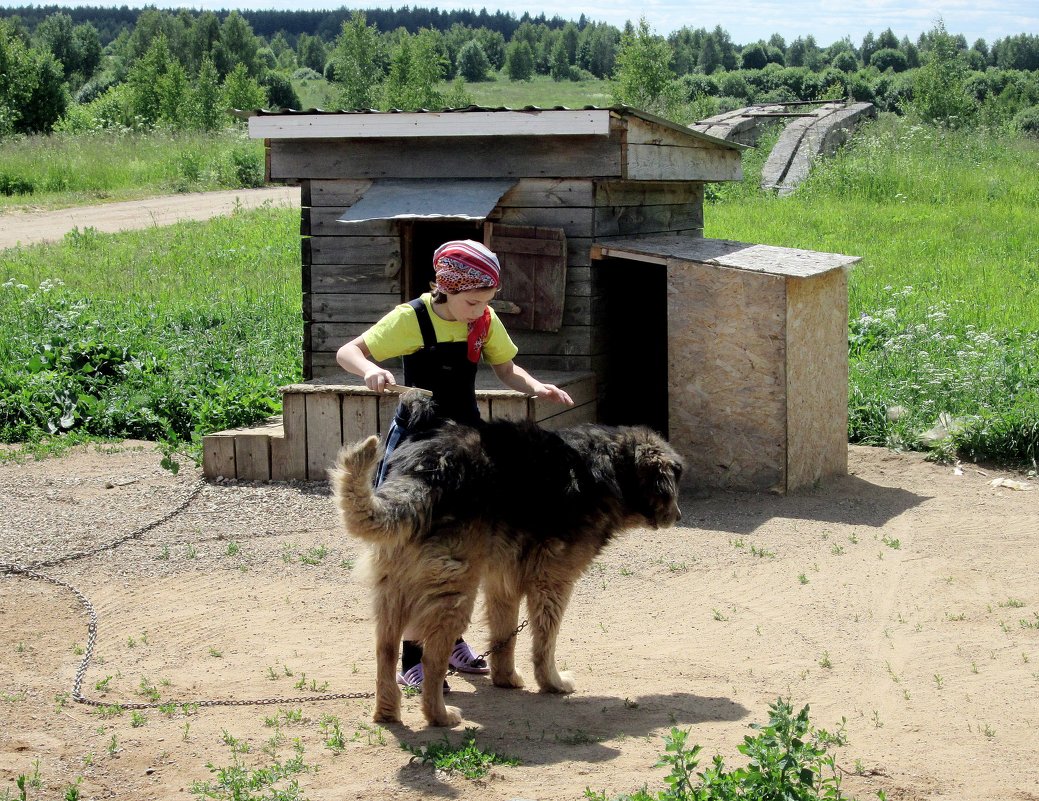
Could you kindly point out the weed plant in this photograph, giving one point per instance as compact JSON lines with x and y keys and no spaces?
{"x":944,"y":306}
{"x":466,"y":758}
{"x":788,"y":759}
{"x":64,"y":170}
{"x":164,"y":334}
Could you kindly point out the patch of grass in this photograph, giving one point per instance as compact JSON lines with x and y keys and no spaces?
{"x":278,"y":781}
{"x":164,"y":334}
{"x":787,"y":759}
{"x":61,"y":170}
{"x":465,"y":757}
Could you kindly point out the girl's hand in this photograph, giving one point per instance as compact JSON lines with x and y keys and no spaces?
{"x":377,"y":378}
{"x":554,"y":393}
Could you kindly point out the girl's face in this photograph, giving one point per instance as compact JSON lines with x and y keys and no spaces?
{"x":467,"y":306}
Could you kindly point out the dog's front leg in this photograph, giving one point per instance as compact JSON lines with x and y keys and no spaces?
{"x":546,"y":605}
{"x":435,"y":653}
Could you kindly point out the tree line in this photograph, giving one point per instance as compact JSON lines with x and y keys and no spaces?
{"x":96,"y":68}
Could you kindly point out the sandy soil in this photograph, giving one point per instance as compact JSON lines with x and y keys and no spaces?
{"x":902,"y":598}
{"x":31,"y":227}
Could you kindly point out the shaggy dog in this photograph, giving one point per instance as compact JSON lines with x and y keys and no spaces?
{"x":520,"y":508}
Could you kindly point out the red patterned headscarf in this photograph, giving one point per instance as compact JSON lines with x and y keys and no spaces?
{"x":462,"y":265}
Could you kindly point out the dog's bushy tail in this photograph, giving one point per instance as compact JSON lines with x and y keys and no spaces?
{"x":366,"y":513}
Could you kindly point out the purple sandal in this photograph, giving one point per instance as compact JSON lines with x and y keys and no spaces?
{"x":465,"y":660}
{"x":411,"y":679}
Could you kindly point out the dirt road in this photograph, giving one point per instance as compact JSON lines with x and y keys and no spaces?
{"x":29,"y":228}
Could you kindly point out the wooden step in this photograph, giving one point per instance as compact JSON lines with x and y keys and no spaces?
{"x":320,"y":415}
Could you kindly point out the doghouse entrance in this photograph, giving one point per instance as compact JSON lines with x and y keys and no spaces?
{"x":636,"y":374}
{"x":419,"y":240}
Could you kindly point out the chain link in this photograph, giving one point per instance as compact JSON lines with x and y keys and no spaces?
{"x":31,"y":572}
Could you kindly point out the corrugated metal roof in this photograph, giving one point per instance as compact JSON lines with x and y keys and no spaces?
{"x":428,"y":199}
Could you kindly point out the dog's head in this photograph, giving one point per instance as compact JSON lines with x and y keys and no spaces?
{"x":657,"y":470}
{"x":418,"y":413}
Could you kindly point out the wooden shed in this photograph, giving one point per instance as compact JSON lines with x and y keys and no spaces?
{"x":560,"y":195}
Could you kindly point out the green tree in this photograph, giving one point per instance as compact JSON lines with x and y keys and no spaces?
{"x":473,"y":63}
{"x":174,"y":96}
{"x":145,"y":81}
{"x":888,"y":58}
{"x":710,"y":59}
{"x":355,"y":63}
{"x":416,"y":70}
{"x":519,"y":62}
{"x":204,"y":112}
{"x":202,"y":39}
{"x":237,"y":45}
{"x":754,"y":56}
{"x":560,"y":70}
{"x":643,"y":77}
{"x":32,"y":93}
{"x":311,"y":52}
{"x":939,"y":86}
{"x":241,"y":91}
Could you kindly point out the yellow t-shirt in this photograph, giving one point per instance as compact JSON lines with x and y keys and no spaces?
{"x":398,"y":334}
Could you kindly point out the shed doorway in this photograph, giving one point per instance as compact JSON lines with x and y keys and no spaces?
{"x":636,"y":374}
{"x":419,"y":240}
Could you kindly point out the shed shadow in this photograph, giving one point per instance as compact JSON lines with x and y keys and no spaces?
{"x":848,"y":500}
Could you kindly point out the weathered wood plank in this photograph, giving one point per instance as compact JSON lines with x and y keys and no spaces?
{"x":656,"y":163}
{"x":324,"y":433}
{"x":642,"y":220}
{"x":252,"y":451}
{"x":334,"y":193}
{"x":539,"y":124}
{"x":571,"y":417}
{"x":549,"y":192}
{"x":218,"y":455}
{"x":582,"y":391}
{"x":490,"y":157}
{"x":323,"y":364}
{"x":352,"y":250}
{"x":509,"y":408}
{"x":647,"y":193}
{"x":347,"y":308}
{"x":289,"y":453}
{"x":324,"y":221}
{"x":577,"y":222}
{"x":360,"y":417}
{"x":359,"y":278}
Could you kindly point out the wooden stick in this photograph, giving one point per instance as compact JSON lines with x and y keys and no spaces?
{"x":401,"y":389}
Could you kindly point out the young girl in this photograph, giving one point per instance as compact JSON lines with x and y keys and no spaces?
{"x":441,"y":336}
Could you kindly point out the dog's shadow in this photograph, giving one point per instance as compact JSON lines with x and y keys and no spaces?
{"x":576,"y":728}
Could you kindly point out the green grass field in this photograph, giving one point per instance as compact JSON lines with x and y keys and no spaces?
{"x":173,"y":332}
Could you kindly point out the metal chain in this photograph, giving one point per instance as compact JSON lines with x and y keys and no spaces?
{"x":499,"y":645}
{"x":31,"y":572}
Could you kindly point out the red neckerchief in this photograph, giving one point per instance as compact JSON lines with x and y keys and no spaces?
{"x":478,"y":333}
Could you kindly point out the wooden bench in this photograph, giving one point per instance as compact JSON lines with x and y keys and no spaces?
{"x":320,"y":415}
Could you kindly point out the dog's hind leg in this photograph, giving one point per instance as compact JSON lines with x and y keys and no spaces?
{"x":546,"y":603}
{"x":436,"y":649}
{"x":502,"y":599}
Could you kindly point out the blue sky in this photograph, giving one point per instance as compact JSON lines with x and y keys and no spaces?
{"x":826,"y":20}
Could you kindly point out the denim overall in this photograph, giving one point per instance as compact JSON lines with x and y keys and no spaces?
{"x":444,"y":369}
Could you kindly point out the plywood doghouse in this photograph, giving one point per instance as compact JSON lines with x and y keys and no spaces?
{"x":546,"y":189}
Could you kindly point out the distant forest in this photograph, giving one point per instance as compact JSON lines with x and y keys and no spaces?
{"x":89,"y":69}
{"x":110,"y":22}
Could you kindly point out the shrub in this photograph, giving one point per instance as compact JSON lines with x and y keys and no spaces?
{"x":889,"y":58}
{"x":695,"y":85}
{"x":1027,"y":121}
{"x":734,"y":85}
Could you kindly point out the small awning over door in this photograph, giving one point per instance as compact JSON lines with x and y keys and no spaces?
{"x":428,"y":199}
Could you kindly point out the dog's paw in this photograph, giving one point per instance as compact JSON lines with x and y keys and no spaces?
{"x":451,"y":716}
{"x":512,"y":681}
{"x":562,"y":683}
{"x":386,"y":716}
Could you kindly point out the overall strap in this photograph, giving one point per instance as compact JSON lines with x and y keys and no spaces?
{"x":425,"y":325}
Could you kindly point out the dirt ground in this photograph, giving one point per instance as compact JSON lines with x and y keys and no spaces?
{"x":902,"y":599}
